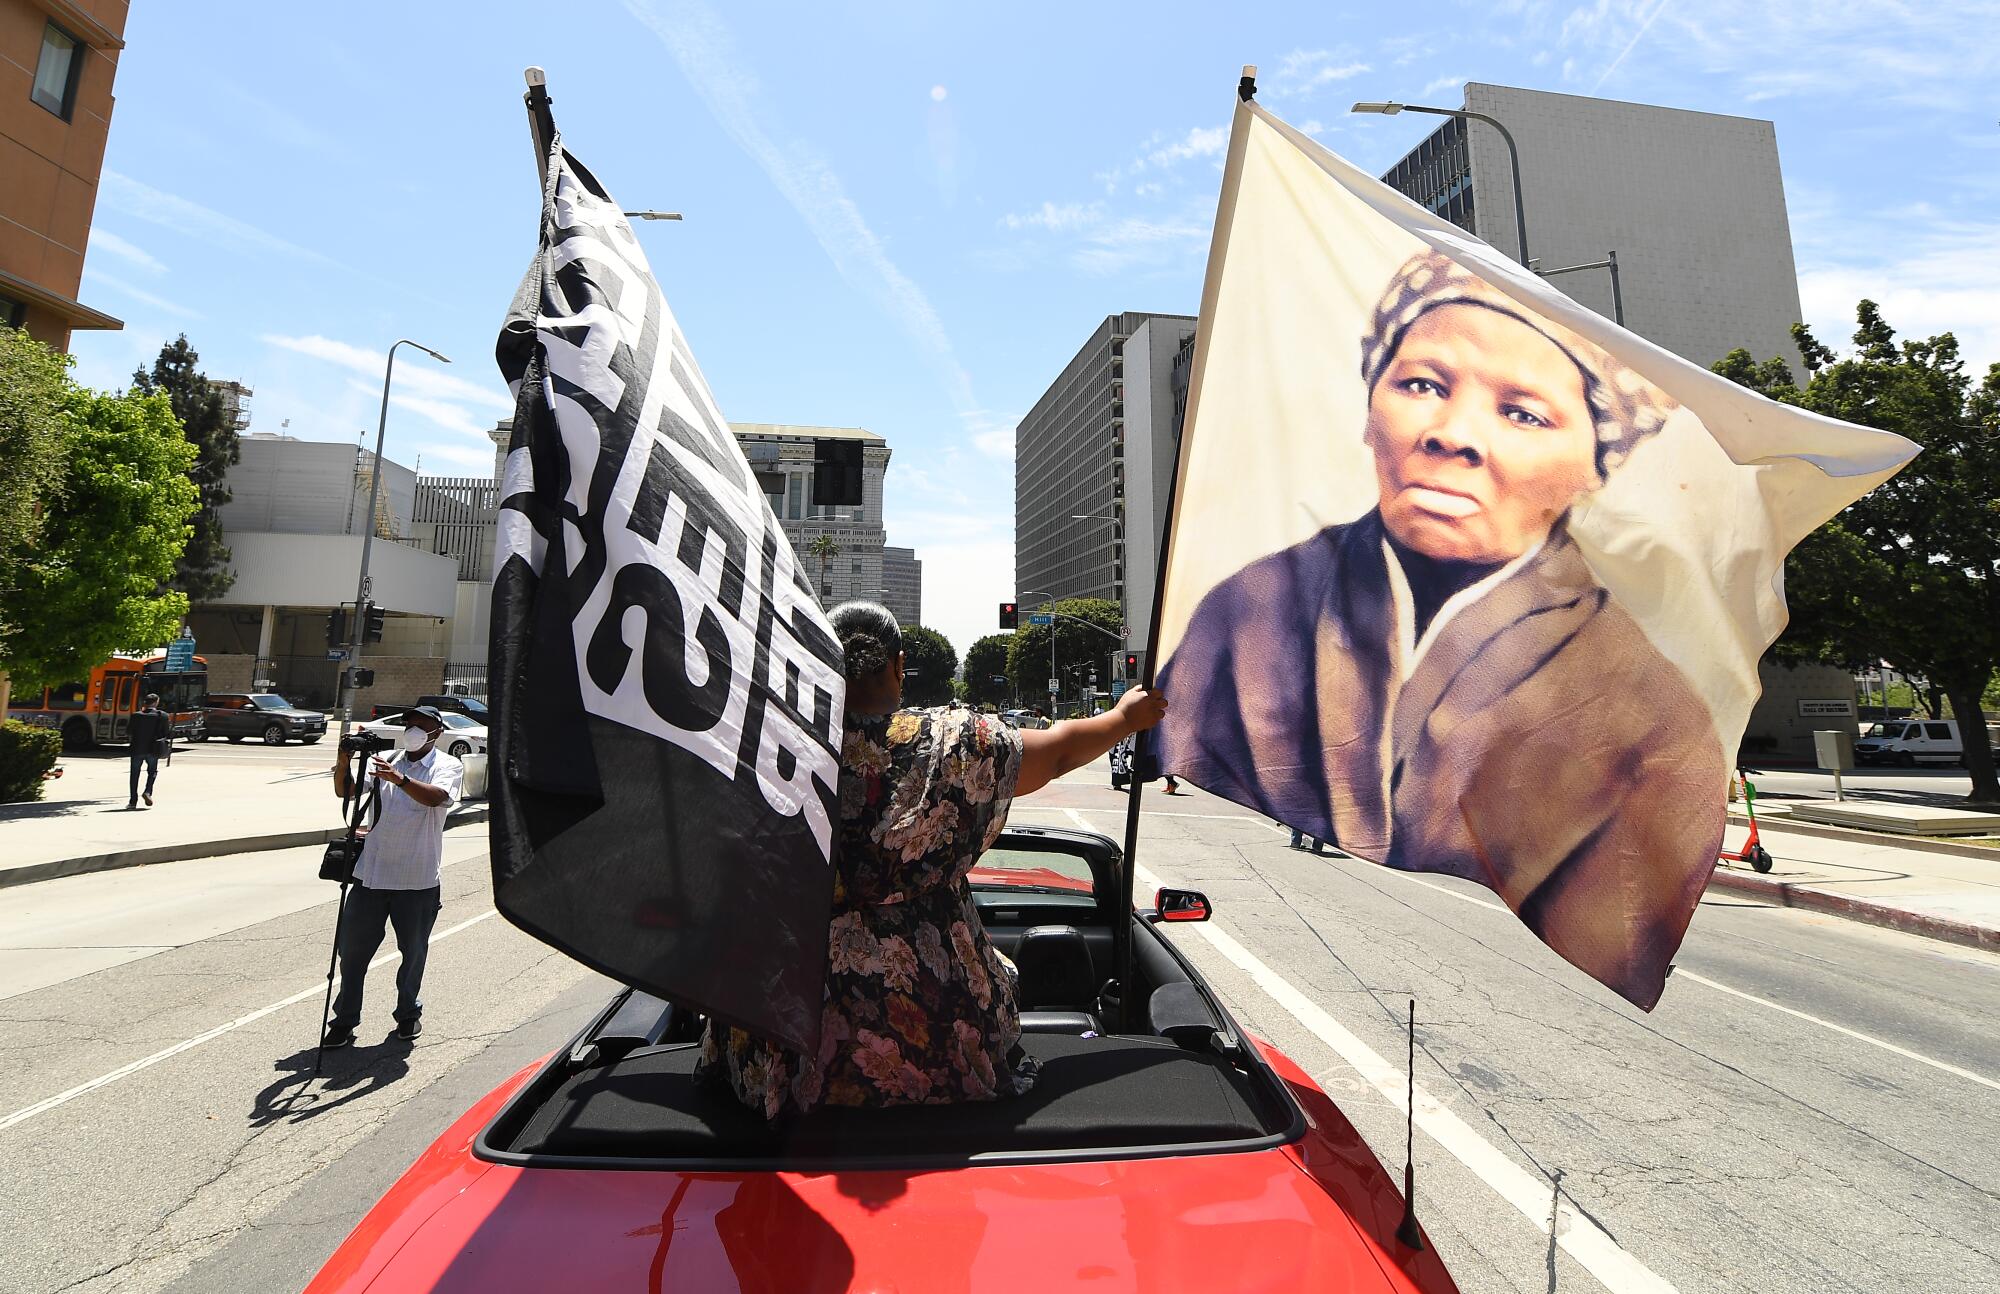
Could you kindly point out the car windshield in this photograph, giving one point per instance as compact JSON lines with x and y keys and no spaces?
{"x":1032,"y":869}
{"x":474,"y":707}
{"x":1877,"y":730}
{"x":460,"y":721}
{"x":270,"y":701}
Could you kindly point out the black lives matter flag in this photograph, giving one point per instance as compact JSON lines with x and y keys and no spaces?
{"x":667,"y":693}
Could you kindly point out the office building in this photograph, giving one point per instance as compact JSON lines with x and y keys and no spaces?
{"x":58,"y":59}
{"x":1692,"y":203}
{"x":1092,"y":464}
{"x":294,"y":524}
{"x":782,"y":457}
{"x":903,"y":584}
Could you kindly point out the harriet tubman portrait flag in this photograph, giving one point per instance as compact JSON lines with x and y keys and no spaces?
{"x":667,"y":694}
{"x":1464,"y":578}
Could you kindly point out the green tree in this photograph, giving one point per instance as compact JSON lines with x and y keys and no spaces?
{"x":34,"y":381}
{"x":826,"y":550}
{"x":985,"y":661}
{"x":202,"y":571}
{"x":929,"y":664}
{"x":1076,"y":644}
{"x":1909,"y":574}
{"x":97,"y":580}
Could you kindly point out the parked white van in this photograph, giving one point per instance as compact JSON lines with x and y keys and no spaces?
{"x":1909,"y":742}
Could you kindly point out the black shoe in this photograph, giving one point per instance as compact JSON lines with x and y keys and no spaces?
{"x":409,"y":1030}
{"x":148,"y":798}
{"x":337,"y":1036}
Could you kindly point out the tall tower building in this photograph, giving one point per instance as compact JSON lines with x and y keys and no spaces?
{"x":1693,"y":204}
{"x":1091,"y":465}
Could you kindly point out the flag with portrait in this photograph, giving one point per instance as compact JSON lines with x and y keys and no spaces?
{"x":1462,"y":577}
{"x":666,"y":691}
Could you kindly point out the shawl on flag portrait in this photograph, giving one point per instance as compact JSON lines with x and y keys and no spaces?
{"x":1462,"y":577}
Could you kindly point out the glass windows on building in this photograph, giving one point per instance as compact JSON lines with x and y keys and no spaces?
{"x":56,"y":71}
{"x":1438,"y":174}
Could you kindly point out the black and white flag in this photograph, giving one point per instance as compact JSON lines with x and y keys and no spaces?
{"x":667,"y":693}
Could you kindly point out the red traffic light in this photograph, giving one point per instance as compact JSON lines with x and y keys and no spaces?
{"x":1131,"y":665}
{"x":1009,"y":616}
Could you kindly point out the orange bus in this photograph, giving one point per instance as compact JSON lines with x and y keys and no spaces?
{"x":99,"y":712}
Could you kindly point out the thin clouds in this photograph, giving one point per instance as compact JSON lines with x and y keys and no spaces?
{"x":1303,"y":72}
{"x":1106,"y":244}
{"x":707,"y":58}
{"x":1202,"y":141}
{"x":424,"y":380}
{"x":103,"y":240}
{"x":159,"y":303}
{"x":141,"y":201}
{"x":1637,"y":36}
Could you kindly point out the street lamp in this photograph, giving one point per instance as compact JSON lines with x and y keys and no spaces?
{"x":1513,"y":153}
{"x":653,"y":215}
{"x":368,"y":537}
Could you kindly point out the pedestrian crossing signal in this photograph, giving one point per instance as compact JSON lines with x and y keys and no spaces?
{"x":1010,"y":616}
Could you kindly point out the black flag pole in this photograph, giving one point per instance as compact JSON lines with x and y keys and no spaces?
{"x":1130,"y":1009}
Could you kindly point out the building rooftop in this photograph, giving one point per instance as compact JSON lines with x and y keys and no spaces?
{"x":792,"y":431}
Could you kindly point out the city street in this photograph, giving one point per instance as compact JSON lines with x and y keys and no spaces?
{"x":1807,"y":1109}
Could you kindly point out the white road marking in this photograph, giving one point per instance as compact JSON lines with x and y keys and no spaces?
{"x":126,"y":1071}
{"x":1681,"y":972}
{"x":1595,"y":1251}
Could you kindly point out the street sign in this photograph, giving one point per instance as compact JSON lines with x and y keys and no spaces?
{"x":338,"y":653}
{"x":1041,"y":620}
{"x":1055,"y":687}
{"x":180,"y":653}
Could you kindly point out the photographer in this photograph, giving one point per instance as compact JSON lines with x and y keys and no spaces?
{"x":396,"y":880}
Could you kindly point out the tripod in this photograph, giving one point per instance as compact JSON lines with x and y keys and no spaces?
{"x":361,"y":806}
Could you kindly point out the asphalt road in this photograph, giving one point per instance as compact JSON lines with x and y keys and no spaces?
{"x":1908,"y":785}
{"x":1812,"y":1107}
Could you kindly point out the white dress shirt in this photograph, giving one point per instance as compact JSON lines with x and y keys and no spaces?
{"x":405,"y":848}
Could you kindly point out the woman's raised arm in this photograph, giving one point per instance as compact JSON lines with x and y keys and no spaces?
{"x":1048,"y":753}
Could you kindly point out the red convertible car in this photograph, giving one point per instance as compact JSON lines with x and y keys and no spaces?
{"x":1183,"y":1155}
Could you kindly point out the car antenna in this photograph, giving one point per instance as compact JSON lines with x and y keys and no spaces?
{"x":1407,"y":1231}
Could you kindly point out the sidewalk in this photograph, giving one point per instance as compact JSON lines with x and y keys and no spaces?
{"x":213,"y":800}
{"x":1882,"y":880}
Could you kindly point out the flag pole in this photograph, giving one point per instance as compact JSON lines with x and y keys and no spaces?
{"x":541,"y":122}
{"x":1144,"y":760}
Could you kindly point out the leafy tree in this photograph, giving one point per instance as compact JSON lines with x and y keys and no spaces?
{"x":1076,"y":644}
{"x":1909,"y":574}
{"x":928,"y":663}
{"x":985,"y":661}
{"x":97,"y":580}
{"x":33,"y":383}
{"x":203,"y":569}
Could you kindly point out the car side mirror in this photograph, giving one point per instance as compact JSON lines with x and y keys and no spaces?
{"x":1181,"y":905}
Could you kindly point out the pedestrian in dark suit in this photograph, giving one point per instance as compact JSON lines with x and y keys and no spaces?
{"x":151,"y":735}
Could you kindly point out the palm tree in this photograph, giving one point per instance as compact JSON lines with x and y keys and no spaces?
{"x":826,"y":550}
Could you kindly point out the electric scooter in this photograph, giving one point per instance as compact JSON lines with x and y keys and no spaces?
{"x":1752,"y":852}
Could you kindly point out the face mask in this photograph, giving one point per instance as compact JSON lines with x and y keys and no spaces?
{"x":414,"y":739}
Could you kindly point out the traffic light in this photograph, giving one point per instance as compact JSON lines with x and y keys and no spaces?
{"x":336,"y":628}
{"x":360,"y":677}
{"x":836,"y":473}
{"x":371,"y":630}
{"x":1010,"y":616}
{"x":1131,"y":666}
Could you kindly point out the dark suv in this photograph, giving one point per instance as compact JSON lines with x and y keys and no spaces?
{"x":264,"y":715}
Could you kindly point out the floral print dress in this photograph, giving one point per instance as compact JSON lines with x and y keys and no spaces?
{"x":920,"y":1007}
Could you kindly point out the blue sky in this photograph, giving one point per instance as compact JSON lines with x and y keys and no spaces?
{"x":908,"y":217}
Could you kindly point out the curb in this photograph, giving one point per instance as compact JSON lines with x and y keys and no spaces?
{"x":1827,"y":831}
{"x":32,"y":872}
{"x":1805,"y":897}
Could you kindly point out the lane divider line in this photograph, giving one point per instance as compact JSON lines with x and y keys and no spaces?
{"x":1681,"y":972}
{"x":1594,"y":1250}
{"x":147,"y":1062}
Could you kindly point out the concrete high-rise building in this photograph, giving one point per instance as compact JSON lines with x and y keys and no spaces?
{"x":903,"y":585}
{"x":58,"y":59}
{"x":782,"y":457}
{"x":1099,"y":445}
{"x":1692,"y":203}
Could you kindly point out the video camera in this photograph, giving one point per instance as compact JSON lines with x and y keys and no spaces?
{"x":363,"y":742}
